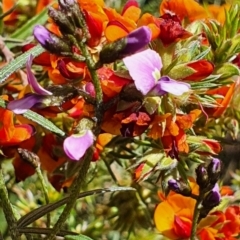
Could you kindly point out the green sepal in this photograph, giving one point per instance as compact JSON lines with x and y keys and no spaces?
{"x":227,"y":70}
{"x":181,"y":71}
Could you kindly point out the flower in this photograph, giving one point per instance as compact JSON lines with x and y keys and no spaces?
{"x":212,"y":199}
{"x":171,"y":30}
{"x":76,"y":145}
{"x":49,"y":41}
{"x":144,"y":68}
{"x":172,"y":130}
{"x":37,"y":98}
{"x":10,"y":133}
{"x":192,"y":10}
{"x":173,"y":216}
{"x":120,"y":25}
{"x":132,"y":43}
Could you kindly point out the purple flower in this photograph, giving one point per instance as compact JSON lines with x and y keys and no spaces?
{"x":132,"y":43}
{"x":50,"y":41}
{"x":137,"y":40}
{"x":213,"y":198}
{"x":174,"y":185}
{"x":76,"y":145}
{"x":30,"y":100}
{"x":144,"y":68}
{"x":42,"y":35}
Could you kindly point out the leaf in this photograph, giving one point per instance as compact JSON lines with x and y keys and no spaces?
{"x":19,"y":62}
{"x":26,"y":30}
{"x":41,"y":211}
{"x":79,"y":237}
{"x":42,"y":121}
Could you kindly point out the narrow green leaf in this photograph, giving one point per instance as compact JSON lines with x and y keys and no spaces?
{"x":41,"y":211}
{"x":26,"y":30}
{"x":42,"y":121}
{"x":19,"y":62}
{"x":79,"y":237}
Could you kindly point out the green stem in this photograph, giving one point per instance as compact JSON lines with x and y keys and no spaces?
{"x":7,"y":208}
{"x":74,"y":193}
{"x":45,"y":191}
{"x":196,"y":214}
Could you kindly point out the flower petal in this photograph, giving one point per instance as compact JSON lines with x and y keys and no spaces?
{"x":20,"y":106}
{"x":141,"y":67}
{"x":37,"y":88}
{"x":76,"y":145}
{"x":166,"y":84}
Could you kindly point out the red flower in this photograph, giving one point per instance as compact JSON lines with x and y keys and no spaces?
{"x":171,"y":30}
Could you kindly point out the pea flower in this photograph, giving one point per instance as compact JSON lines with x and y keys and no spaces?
{"x":30,"y":100}
{"x":76,"y":145}
{"x":144,"y":67}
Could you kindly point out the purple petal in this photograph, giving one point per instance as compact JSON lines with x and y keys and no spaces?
{"x":20,"y":106}
{"x":144,"y":68}
{"x":41,"y":34}
{"x":168,"y":85}
{"x":137,"y":40}
{"x":36,"y":87}
{"x":76,"y":145}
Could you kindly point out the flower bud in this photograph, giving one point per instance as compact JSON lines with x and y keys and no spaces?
{"x":61,"y":20}
{"x":49,"y":41}
{"x":180,"y":187}
{"x":202,"y":176}
{"x":213,"y":198}
{"x":132,"y":43}
{"x":214,"y":170}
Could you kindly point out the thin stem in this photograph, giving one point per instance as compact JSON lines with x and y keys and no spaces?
{"x":45,"y":191}
{"x":7,"y":208}
{"x":74,"y":193}
{"x":196,"y":216}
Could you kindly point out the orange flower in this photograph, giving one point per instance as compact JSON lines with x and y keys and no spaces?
{"x":41,"y":4}
{"x":227,"y":92}
{"x":192,"y":10}
{"x":111,"y":84}
{"x":173,"y":217}
{"x":120,"y":25}
{"x":152,"y":22}
{"x":172,"y":132}
{"x":221,"y":225}
{"x":10,"y":133}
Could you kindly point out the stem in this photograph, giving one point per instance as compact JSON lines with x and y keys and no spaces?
{"x":45,"y":191}
{"x":196,"y":216}
{"x":74,"y":193}
{"x":7,"y":208}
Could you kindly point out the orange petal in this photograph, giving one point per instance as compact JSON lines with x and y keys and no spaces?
{"x":132,"y":13}
{"x":41,"y":4}
{"x":164,"y":220}
{"x":183,"y":9}
{"x":115,"y":30}
{"x":148,"y":20}
{"x":225,"y":101}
